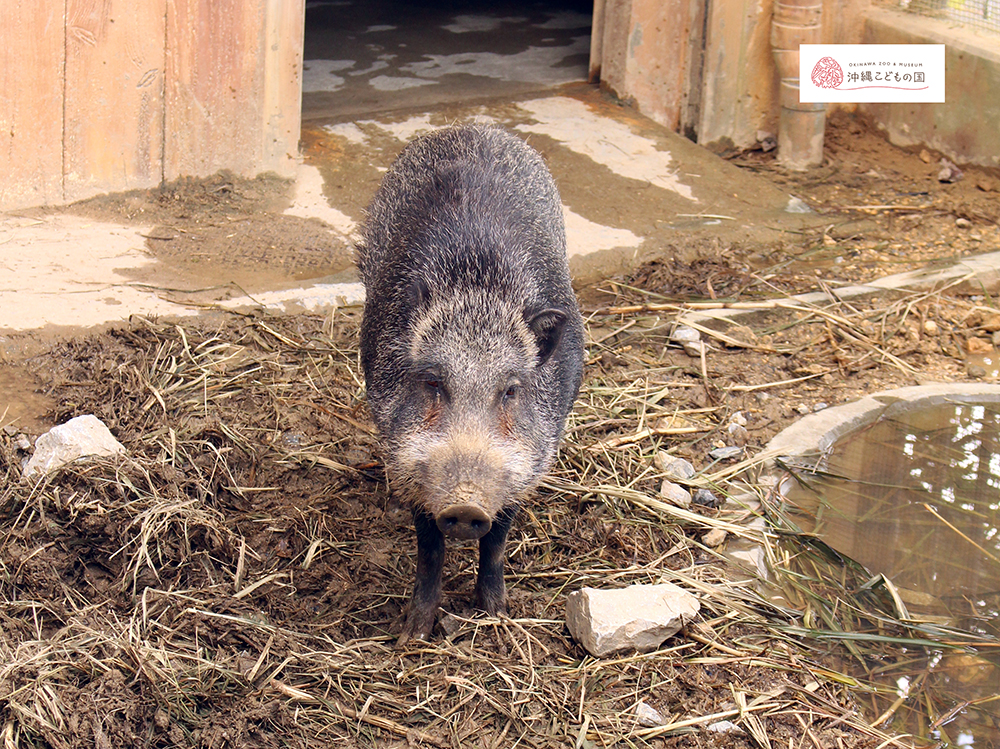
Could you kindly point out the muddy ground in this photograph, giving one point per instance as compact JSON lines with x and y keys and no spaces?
{"x":240,"y":579}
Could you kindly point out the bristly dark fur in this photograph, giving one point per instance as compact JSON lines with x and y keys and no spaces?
{"x":472,"y":341}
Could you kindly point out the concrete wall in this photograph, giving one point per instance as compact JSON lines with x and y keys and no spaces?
{"x":117,"y":95}
{"x":966,"y":128}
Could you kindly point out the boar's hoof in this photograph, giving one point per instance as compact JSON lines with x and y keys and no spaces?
{"x":464,"y":521}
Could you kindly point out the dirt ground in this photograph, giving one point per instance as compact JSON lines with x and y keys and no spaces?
{"x":239,"y":580}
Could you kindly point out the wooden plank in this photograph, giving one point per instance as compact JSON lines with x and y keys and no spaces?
{"x":646,"y":53}
{"x":114,"y":96}
{"x":215,"y":87}
{"x":281,"y":128}
{"x":32,"y":34}
{"x":596,"y":43}
{"x":615,"y":28}
{"x":658,"y":58}
{"x":740,"y":82}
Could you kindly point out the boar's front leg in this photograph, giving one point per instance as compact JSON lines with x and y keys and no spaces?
{"x":490,"y":592}
{"x":427,"y":586}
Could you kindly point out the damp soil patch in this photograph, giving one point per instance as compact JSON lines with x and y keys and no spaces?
{"x":224,"y":229}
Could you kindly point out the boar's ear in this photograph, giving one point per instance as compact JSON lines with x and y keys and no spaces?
{"x":547,"y":326}
{"x":418,"y":294}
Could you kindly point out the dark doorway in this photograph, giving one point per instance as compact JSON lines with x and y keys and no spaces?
{"x":368,"y":56}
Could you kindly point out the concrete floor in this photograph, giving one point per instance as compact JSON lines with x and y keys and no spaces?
{"x":378,"y":74}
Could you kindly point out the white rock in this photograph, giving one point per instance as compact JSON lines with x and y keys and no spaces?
{"x":81,"y":437}
{"x":723,"y":726}
{"x":685,"y":334}
{"x":648,"y":716}
{"x":694,"y":349}
{"x":639,"y":617}
{"x":675,"y":494}
{"x":673,"y":466}
{"x":753,"y":558}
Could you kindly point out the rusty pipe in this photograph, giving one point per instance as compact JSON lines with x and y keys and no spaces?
{"x":801,"y":125}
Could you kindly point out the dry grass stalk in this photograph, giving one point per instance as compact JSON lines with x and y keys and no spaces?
{"x":241,"y":572}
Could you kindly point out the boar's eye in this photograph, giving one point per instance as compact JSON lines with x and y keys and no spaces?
{"x":430,"y":379}
{"x":510,"y":393}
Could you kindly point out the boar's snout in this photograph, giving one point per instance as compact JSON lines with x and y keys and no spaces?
{"x":465,"y":521}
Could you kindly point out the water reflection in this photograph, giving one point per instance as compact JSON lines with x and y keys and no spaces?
{"x":917,"y":498}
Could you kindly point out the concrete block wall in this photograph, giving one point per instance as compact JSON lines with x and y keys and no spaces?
{"x":966,"y":128}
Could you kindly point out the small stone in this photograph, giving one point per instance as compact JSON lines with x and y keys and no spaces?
{"x":714,"y":538}
{"x":987,"y":184}
{"x":797,"y":205}
{"x":674,"y":467}
{"x":639,"y":617}
{"x":80,"y":437}
{"x":685,"y":334}
{"x":963,"y":223}
{"x":754,"y":558}
{"x":22,"y":442}
{"x":744,"y":501}
{"x":949,"y":172}
{"x":161,"y":718}
{"x":820,"y":406}
{"x":723,"y":726}
{"x":450,"y":624}
{"x":803,"y":409}
{"x":705,"y":498}
{"x":648,"y":716}
{"x":695,"y":349}
{"x":675,"y":494}
{"x":975,"y":370}
{"x":729,"y":452}
{"x":996,"y":338}
{"x":739,"y":434}
{"x":979,"y":346}
{"x":925,"y":156}
{"x":930,"y":327}
{"x":738,"y":418}
{"x":991,"y":323}
{"x":829,"y":241}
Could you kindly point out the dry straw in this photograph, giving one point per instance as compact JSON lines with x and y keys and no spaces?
{"x":239,"y":579}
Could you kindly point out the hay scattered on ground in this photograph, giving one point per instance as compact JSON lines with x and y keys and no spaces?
{"x":240,"y":578}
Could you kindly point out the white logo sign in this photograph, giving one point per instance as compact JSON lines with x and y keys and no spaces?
{"x":904,"y":73}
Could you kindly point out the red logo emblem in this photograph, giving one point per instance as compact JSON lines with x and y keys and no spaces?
{"x":827,"y":73}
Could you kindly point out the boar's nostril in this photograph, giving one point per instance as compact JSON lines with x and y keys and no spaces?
{"x":466,"y":521}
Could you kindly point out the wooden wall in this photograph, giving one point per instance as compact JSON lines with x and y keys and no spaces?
{"x":648,"y":52}
{"x":702,"y":67}
{"x":109,"y":95}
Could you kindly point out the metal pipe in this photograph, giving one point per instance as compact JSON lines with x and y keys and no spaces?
{"x":800,"y":127}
